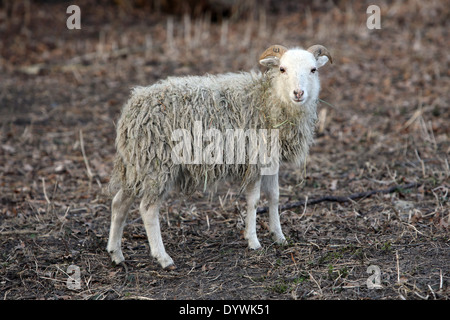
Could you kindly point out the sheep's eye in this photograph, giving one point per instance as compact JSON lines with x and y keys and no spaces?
{"x":313,"y":70}
{"x":282,"y":70}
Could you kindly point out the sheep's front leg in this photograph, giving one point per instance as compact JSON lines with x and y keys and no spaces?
{"x":119,"y":212}
{"x":150,"y":217}
{"x":271,"y":188}
{"x":252,"y":194}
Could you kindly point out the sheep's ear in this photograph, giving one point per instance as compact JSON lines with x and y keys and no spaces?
{"x":321,"y":54}
{"x":321,"y":61}
{"x":270,"y":62}
{"x":271,"y":56}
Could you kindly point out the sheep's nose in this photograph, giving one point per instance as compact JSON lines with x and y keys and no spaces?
{"x":298,"y":93}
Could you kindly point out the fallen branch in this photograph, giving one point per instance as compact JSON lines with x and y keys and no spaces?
{"x":14,"y":232}
{"x":351,"y":197}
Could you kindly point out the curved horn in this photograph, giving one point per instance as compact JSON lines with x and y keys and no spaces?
{"x":273,"y":51}
{"x":319,"y":50}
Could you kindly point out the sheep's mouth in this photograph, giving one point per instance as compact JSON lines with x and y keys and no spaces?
{"x":298,"y":100}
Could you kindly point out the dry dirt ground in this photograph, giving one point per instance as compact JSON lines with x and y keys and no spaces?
{"x":384,"y":121}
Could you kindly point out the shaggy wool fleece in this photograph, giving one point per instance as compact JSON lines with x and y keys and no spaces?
{"x":144,"y":164}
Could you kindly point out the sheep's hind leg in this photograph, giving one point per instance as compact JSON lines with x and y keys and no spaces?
{"x":119,"y":212}
{"x":150,"y":217}
{"x":252,"y":196}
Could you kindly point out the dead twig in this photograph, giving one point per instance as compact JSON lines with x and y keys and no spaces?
{"x":86,"y":162}
{"x":17,"y":232}
{"x":348,"y":198}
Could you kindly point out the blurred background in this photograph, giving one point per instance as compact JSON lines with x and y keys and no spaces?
{"x":383,"y":120}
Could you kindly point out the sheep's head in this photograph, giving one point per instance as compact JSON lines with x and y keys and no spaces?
{"x":295,"y":71}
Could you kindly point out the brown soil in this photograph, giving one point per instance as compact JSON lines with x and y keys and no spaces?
{"x":384,"y":121}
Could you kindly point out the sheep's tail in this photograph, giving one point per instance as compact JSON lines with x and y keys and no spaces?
{"x":122,"y":173}
{"x":118,"y":176}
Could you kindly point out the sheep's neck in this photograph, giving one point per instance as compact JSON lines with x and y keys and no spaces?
{"x":277,"y":113}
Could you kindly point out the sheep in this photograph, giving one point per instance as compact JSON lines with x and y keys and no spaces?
{"x":283,"y":99}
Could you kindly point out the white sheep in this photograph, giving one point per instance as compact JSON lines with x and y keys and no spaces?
{"x":282,"y":100}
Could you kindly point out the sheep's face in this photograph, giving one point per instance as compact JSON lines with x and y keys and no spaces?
{"x":296,"y":76}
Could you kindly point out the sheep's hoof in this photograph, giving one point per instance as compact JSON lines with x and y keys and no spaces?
{"x":167,"y":263}
{"x":254,"y":245}
{"x":116,"y":257}
{"x":170,"y":267}
{"x":281,"y":240}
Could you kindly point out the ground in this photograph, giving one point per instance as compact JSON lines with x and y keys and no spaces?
{"x":384,"y":116}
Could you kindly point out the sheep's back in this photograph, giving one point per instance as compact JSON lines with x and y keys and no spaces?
{"x":152,"y":114}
